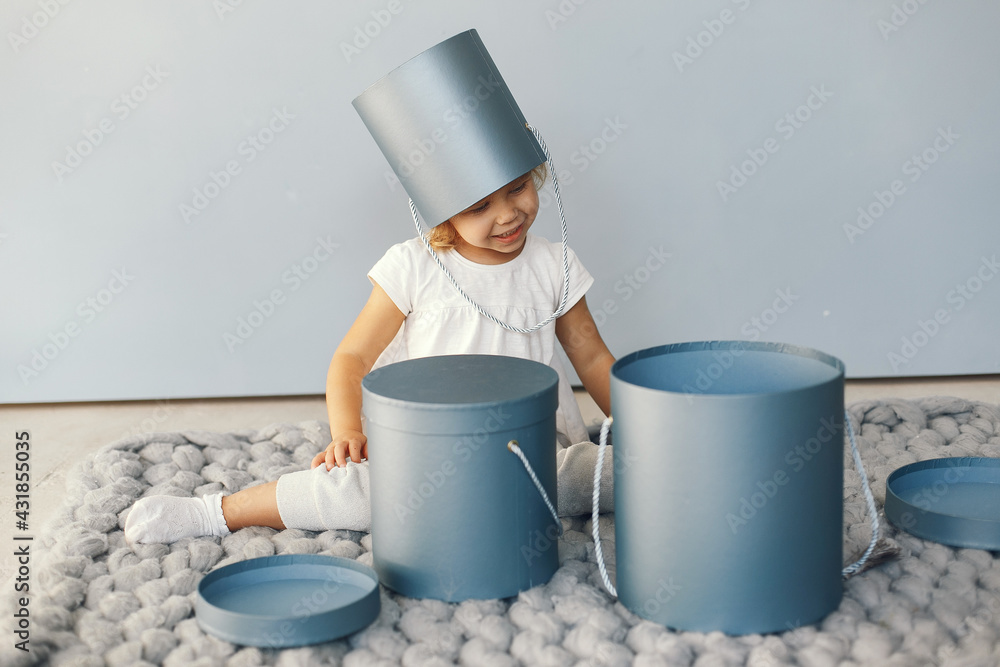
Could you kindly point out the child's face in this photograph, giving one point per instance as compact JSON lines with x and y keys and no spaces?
{"x":492,"y":231}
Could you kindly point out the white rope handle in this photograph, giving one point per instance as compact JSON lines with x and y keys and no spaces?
{"x":514,"y":447}
{"x":856,"y":566}
{"x":597,"y":505}
{"x":565,"y":253}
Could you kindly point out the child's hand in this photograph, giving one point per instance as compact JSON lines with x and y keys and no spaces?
{"x":348,"y":443}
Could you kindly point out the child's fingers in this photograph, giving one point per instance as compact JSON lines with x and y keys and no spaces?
{"x":337,"y":453}
{"x":339,"y":457}
{"x":357,"y":450}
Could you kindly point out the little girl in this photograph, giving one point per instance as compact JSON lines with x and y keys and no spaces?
{"x":415,"y":310}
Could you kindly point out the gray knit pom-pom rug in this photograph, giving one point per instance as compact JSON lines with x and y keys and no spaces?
{"x":95,"y":601}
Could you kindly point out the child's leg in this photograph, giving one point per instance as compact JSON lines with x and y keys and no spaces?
{"x":314,"y":499}
{"x":169,"y":518}
{"x":255,"y":506}
{"x":319,"y":499}
{"x":575,"y":479}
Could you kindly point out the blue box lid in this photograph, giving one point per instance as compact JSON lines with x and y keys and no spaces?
{"x":449,"y":394}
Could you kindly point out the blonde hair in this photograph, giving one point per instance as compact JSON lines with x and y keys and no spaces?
{"x":443,"y":236}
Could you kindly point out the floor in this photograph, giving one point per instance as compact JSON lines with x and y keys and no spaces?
{"x":62,"y":434}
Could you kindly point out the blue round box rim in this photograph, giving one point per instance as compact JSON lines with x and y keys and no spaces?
{"x":430,"y":395}
{"x":953,"y":501}
{"x":288,"y":600}
{"x":745,"y":368}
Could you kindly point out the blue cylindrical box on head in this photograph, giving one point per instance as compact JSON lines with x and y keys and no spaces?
{"x":449,"y":127}
{"x":455,"y":514}
{"x":729,"y":485}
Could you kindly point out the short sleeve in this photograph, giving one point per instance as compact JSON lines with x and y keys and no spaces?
{"x":580,"y":279}
{"x":393,"y":273}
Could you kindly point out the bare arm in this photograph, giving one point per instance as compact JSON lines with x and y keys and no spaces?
{"x":370,"y":334}
{"x":586,"y":350}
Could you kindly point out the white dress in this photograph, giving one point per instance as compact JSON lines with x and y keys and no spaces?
{"x":521,"y":292}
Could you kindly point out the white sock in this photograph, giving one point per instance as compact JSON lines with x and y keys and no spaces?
{"x":169,"y":518}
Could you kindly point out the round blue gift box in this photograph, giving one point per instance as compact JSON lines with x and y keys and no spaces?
{"x":728,"y":485}
{"x":455,"y":514}
{"x":287,"y":600}
{"x":954,"y":501}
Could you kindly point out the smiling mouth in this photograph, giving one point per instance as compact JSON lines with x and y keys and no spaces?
{"x":509,"y":234}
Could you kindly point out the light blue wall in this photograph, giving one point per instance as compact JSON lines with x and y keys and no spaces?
{"x":210,"y":167}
